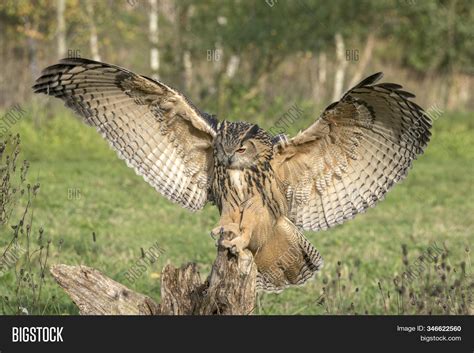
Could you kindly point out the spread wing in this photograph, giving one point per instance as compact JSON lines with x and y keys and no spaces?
{"x":154,"y":128}
{"x":352,"y":155}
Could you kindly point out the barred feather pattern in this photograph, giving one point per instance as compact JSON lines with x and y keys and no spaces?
{"x":338,"y":167}
{"x":155,"y":129}
{"x":258,"y":180}
{"x":234,"y":192}
{"x":295,"y":264}
{"x":347,"y":160}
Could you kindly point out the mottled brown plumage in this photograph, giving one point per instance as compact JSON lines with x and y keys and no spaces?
{"x":267,"y":189}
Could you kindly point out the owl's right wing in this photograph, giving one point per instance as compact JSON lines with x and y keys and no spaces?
{"x":352,"y":155}
{"x":154,"y":128}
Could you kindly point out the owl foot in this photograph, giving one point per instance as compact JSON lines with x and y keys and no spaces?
{"x":231,"y":230}
{"x":229,"y":237}
{"x":235,"y":246}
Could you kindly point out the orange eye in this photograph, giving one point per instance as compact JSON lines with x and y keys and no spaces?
{"x":240,"y":150}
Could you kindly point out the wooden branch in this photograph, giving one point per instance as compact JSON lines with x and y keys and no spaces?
{"x":96,"y":294}
{"x":228,"y":290}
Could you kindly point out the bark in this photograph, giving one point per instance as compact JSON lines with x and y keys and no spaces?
{"x":93,"y":40}
{"x":228,"y":290}
{"x":61,"y":6}
{"x":96,"y":294}
{"x":187,"y":62}
{"x":153,"y":33}
{"x":188,"y":71}
{"x":340,"y":69}
{"x":232,"y":66}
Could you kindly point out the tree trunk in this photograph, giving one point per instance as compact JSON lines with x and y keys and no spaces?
{"x":228,"y":290}
{"x":94,"y":42}
{"x":188,"y":71}
{"x":153,"y":32}
{"x":340,"y":69}
{"x":61,"y":6}
{"x":232,"y":66}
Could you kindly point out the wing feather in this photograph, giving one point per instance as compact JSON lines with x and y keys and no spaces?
{"x":155,"y":129}
{"x":352,"y":155}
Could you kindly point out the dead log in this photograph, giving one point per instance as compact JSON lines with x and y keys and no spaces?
{"x":228,"y":290}
{"x":96,"y":294}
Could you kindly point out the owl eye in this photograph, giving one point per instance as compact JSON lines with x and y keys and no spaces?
{"x":240,"y":150}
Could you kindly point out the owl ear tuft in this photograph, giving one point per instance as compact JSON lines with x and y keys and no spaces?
{"x":251,"y":132}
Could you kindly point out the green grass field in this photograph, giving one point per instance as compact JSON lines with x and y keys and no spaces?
{"x":86,"y":189}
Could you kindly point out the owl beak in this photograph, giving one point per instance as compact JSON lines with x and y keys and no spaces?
{"x":226,"y":159}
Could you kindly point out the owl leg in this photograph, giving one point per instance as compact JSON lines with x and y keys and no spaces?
{"x":236,"y":245}
{"x":231,"y":228}
{"x":231,"y":237}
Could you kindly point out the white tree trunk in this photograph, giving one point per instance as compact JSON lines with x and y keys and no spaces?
{"x":61,"y":6}
{"x":340,"y":69}
{"x":232,"y":66}
{"x":188,"y":71}
{"x":93,"y":41}
{"x":217,"y":56}
{"x":153,"y":34}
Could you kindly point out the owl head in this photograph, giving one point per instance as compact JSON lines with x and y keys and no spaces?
{"x":241,"y":145}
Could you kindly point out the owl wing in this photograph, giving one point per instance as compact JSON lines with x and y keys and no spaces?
{"x":352,"y":155}
{"x":155,"y":129}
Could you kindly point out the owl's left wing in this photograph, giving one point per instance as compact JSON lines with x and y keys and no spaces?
{"x":154,"y":128}
{"x":352,"y":155}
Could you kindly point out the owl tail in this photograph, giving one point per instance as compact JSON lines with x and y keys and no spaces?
{"x":287,"y":259}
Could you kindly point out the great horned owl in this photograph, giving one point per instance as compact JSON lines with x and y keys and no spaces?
{"x":267,"y":189}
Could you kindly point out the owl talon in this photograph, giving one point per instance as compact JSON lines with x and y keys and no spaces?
{"x":213,"y":235}
{"x":217,"y":232}
{"x":229,"y":237}
{"x":232,"y":230}
{"x":235,"y":246}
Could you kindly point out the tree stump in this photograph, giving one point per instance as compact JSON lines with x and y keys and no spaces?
{"x":228,"y":290}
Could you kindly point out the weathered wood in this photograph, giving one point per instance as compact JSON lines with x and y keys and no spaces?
{"x":228,"y":290}
{"x":178,"y":288}
{"x":230,"y":287}
{"x":96,"y":294}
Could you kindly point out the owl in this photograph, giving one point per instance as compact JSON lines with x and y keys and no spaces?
{"x":268,"y":189}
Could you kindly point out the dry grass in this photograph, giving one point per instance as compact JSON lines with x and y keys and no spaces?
{"x":112,"y":214}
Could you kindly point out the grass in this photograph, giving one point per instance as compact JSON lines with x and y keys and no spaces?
{"x":85,"y":189}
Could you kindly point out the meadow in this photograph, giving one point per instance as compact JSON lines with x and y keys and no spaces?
{"x":97,"y":212}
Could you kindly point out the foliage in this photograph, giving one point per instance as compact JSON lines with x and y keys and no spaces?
{"x":112,"y":214}
{"x":99,"y":213}
{"x":426,"y":37}
{"x":24,"y":258}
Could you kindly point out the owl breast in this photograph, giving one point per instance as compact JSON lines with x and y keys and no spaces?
{"x":236,"y":190}
{"x":237,"y":180}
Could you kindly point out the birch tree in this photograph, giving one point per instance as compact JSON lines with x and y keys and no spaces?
{"x":340,"y":68}
{"x":61,"y":33}
{"x":153,"y":36}
{"x":93,"y":41}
